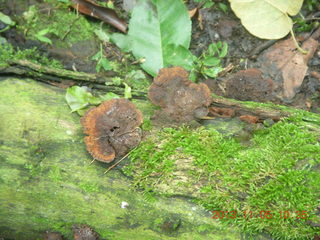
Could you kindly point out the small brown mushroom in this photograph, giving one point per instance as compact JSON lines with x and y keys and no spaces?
{"x":112,"y":129}
{"x":180,"y":99}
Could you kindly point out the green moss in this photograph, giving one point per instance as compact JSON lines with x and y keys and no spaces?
{"x":297,"y":114}
{"x":65,"y":27}
{"x":89,"y":187}
{"x":278,"y":172}
{"x":8,"y":53}
{"x":48,"y":183}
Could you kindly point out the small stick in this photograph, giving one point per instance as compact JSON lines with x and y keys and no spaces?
{"x":255,"y":52}
{"x":119,"y":161}
{"x":92,"y":161}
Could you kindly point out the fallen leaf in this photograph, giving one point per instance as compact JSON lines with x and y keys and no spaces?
{"x":266,"y":19}
{"x":79,"y":98}
{"x":193,"y":12}
{"x":287,"y":66}
{"x":104,"y":14}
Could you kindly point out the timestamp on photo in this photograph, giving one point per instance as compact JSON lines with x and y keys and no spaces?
{"x":262,"y":214}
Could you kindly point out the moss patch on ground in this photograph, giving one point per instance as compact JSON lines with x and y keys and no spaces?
{"x":63,"y":26}
{"x":8,"y":53}
{"x":271,"y":185}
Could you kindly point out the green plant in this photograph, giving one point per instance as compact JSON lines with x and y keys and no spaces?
{"x":41,"y":35}
{"x":274,"y":24}
{"x":311,"y":5}
{"x":7,"y":20}
{"x":303,"y":24}
{"x":158,"y":37}
{"x":205,"y":3}
{"x":277,"y":173}
{"x":102,"y":61}
{"x":209,"y":63}
{"x":209,"y":3}
{"x":7,"y":52}
{"x":65,"y":27}
{"x":80,"y":99}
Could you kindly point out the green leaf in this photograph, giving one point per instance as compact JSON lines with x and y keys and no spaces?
{"x":102,"y":35}
{"x":109,"y":96}
{"x":78,"y":98}
{"x":41,"y":35}
{"x":211,"y":61}
{"x":127,"y":91}
{"x":97,"y":56}
{"x":44,"y":39}
{"x":212,"y":72}
{"x":104,"y":62}
{"x":223,"y":7}
{"x":178,"y":56}
{"x":213,"y":49}
{"x":115,"y":81}
{"x":153,"y":27}
{"x":193,"y":76}
{"x":266,"y":19}
{"x":43,"y":32}
{"x":208,"y":4}
{"x":6,"y":19}
{"x":224,"y":50}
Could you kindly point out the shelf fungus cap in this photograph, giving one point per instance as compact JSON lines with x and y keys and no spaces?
{"x":180,"y":99}
{"x":112,"y":129}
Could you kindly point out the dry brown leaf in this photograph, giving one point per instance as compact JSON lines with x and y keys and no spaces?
{"x":287,"y":66}
{"x":90,"y":8}
{"x":193,"y":12}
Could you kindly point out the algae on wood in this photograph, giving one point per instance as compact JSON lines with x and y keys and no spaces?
{"x":48,"y":183}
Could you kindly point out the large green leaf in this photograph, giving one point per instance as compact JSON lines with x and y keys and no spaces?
{"x":156,"y":26}
{"x":266,"y":18}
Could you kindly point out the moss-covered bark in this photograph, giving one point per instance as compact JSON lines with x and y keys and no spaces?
{"x":48,"y":183}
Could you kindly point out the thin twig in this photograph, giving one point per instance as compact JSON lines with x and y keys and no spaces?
{"x":255,"y":52}
{"x":119,"y":161}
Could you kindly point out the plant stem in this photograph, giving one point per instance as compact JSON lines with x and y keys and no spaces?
{"x":296,"y":43}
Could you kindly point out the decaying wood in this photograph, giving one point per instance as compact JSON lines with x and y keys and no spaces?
{"x":241,"y":108}
{"x":47,"y":74}
{"x":31,"y":69}
{"x":51,"y":75}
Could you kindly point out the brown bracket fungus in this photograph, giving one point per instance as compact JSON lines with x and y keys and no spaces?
{"x":112,"y":129}
{"x":180,"y":99}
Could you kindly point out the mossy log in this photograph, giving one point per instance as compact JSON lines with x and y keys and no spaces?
{"x":51,"y":75}
{"x":48,"y":183}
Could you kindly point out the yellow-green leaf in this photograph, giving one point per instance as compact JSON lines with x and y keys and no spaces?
{"x":266,"y":19}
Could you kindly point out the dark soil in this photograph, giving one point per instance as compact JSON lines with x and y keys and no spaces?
{"x":244,"y":49}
